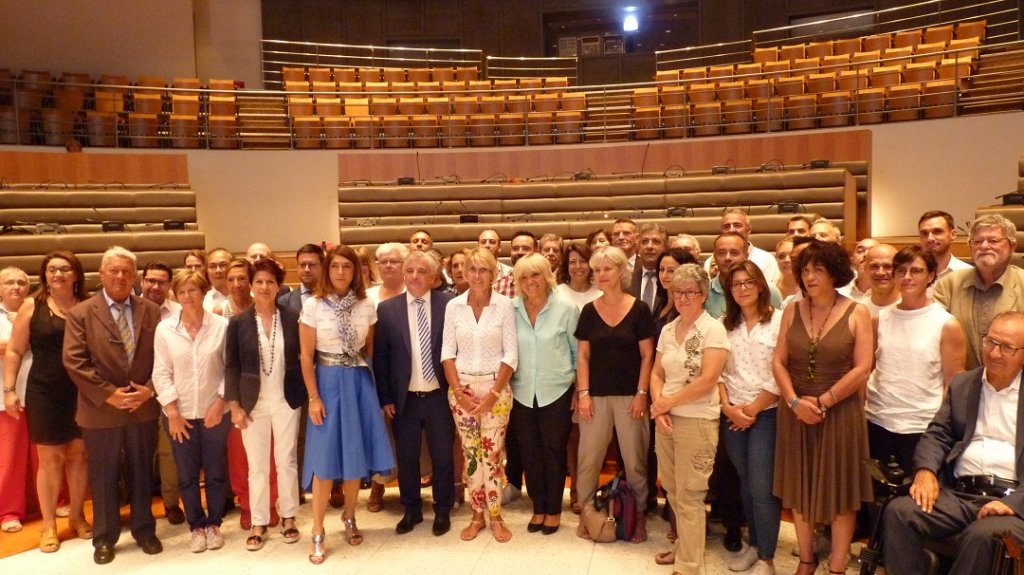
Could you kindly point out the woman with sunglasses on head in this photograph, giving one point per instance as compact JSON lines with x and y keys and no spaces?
{"x":821,"y":364}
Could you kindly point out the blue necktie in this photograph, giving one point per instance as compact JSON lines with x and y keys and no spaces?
{"x":423,"y":329}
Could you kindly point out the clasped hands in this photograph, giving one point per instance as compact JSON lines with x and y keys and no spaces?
{"x":131,"y":397}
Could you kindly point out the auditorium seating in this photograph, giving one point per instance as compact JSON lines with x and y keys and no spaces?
{"x":38,"y":218}
{"x":370,"y":215}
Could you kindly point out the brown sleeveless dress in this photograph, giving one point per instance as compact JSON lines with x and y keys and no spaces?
{"x":818,"y":469}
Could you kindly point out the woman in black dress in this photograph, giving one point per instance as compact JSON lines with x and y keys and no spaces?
{"x":51,"y":399}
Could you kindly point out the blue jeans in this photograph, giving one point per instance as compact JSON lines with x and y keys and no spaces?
{"x":206,"y":450}
{"x":753,"y":453}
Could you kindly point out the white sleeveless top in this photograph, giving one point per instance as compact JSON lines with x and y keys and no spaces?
{"x":905,"y":388}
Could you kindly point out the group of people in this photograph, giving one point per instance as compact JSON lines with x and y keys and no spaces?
{"x":769,"y":377}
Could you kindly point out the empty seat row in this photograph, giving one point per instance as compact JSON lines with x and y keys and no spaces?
{"x":509,"y":86}
{"x":437,"y":106}
{"x":372,"y":74}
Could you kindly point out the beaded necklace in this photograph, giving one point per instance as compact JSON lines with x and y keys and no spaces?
{"x":812,"y":351}
{"x":259,"y":344}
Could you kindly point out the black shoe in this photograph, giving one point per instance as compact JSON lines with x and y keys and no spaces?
{"x":534,"y":527}
{"x":150,"y":545}
{"x":103,"y":554}
{"x":548,"y":529}
{"x":409,"y":520}
{"x":733,"y":539}
{"x":442,"y":524}
{"x":174,"y":514}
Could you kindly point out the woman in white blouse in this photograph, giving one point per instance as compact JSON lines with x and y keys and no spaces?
{"x":345,"y":439}
{"x":188,"y":375}
{"x":691,"y":352}
{"x":749,"y":398}
{"x":479,"y":352}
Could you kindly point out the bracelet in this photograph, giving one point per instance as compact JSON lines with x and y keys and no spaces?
{"x":583,"y":392}
{"x":8,"y":390}
{"x":794,"y":401}
{"x":313,"y":398}
{"x":642,"y":391}
{"x":835,"y":399}
{"x":496,"y":394}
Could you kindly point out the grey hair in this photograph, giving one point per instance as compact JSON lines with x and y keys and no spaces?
{"x":618,"y":258}
{"x":995,"y":221}
{"x":117,"y":252}
{"x":691,"y":273}
{"x":402,"y":249}
{"x":432,"y":262}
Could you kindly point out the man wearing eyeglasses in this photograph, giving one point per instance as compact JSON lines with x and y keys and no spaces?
{"x":156,"y":284}
{"x":975,"y":296}
{"x":968,"y":464}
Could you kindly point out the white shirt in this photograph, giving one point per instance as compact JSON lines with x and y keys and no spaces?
{"x":373,"y":294}
{"x":992,"y":450}
{"x":169,"y":308}
{"x":579,"y":298}
{"x":876,"y":309}
{"x":318,"y":313}
{"x":189,"y":371}
{"x":212,"y":299}
{"x":480,"y":347}
{"x":955,"y":264}
{"x":416,"y":380}
{"x":748,"y":370}
{"x":905,"y":388}
{"x":271,"y":352}
{"x":682,"y":361}
{"x":6,"y":327}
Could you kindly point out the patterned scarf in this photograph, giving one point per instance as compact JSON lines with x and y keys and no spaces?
{"x":342,"y":308}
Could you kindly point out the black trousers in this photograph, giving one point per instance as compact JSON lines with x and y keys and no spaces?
{"x":206,"y":451}
{"x":137,"y":443}
{"x":425,"y":415}
{"x":884,"y":444}
{"x":543,"y":437}
{"x":954,"y":514}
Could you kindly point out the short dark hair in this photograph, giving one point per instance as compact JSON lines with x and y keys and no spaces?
{"x":269,"y":265}
{"x":594,"y":234}
{"x":624,"y":221}
{"x":730,"y":235}
{"x":830,"y":256}
{"x":521,"y":233}
{"x":314,"y":249}
{"x":803,"y":219}
{"x":911,"y":253}
{"x":581,"y":248}
{"x":158,"y":266}
{"x":937,"y":214}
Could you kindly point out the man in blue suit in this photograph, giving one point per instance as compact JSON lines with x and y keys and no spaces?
{"x":413,"y":391}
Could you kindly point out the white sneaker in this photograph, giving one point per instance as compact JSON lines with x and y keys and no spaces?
{"x":214,"y":540}
{"x":198,"y":542}
{"x":762,"y":568}
{"x":510,"y":493}
{"x":743,"y":560}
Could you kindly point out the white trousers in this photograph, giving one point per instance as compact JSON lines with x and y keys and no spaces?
{"x":279,"y":422}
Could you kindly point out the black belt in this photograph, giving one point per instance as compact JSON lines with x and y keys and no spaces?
{"x":986,"y":485}
{"x":424,"y":393}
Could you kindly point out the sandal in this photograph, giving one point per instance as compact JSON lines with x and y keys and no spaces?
{"x":802,"y":563}
{"x":255,"y":540}
{"x":472,"y":530}
{"x":82,"y":529}
{"x":665,"y":558}
{"x":11,"y":526}
{"x":352,"y":533}
{"x":500,"y":532}
{"x":319,"y":553}
{"x":288,"y":530}
{"x":48,"y":542}
{"x":376,"y":500}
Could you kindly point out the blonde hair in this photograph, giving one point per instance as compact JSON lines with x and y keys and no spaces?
{"x":618,"y":258}
{"x":532,"y":264}
{"x":483,"y":257}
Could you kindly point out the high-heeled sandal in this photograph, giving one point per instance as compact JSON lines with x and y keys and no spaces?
{"x":319,"y":553}
{"x":802,"y":563}
{"x":352,"y":533}
{"x":48,"y":542}
{"x":83,"y":530}
{"x":290,"y":534}
{"x":497,"y":524}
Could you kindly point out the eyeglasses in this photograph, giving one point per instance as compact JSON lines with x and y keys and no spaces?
{"x":749,"y":283}
{"x":914,"y":272}
{"x":1004,"y":348}
{"x":53,"y":270}
{"x":21,"y":283}
{"x":217,"y":266}
{"x":155,"y":282}
{"x":689,"y":294}
{"x":978,"y":243}
{"x":389,"y":262}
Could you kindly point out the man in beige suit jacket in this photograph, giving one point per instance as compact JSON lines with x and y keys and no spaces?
{"x":975,"y":296}
{"x":111,"y":362}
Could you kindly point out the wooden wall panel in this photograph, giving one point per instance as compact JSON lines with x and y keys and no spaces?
{"x":403,"y":19}
{"x":528,"y":162}
{"x":85,"y":168}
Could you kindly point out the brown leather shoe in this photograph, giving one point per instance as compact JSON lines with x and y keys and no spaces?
{"x":337,"y":496}
{"x":376,"y":500}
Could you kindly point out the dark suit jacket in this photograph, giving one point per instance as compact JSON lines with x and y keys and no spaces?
{"x":636,"y":287}
{"x":392,"y":347}
{"x":951,"y":431}
{"x":97,"y":363}
{"x":292,"y":300}
{"x":242,"y":360}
